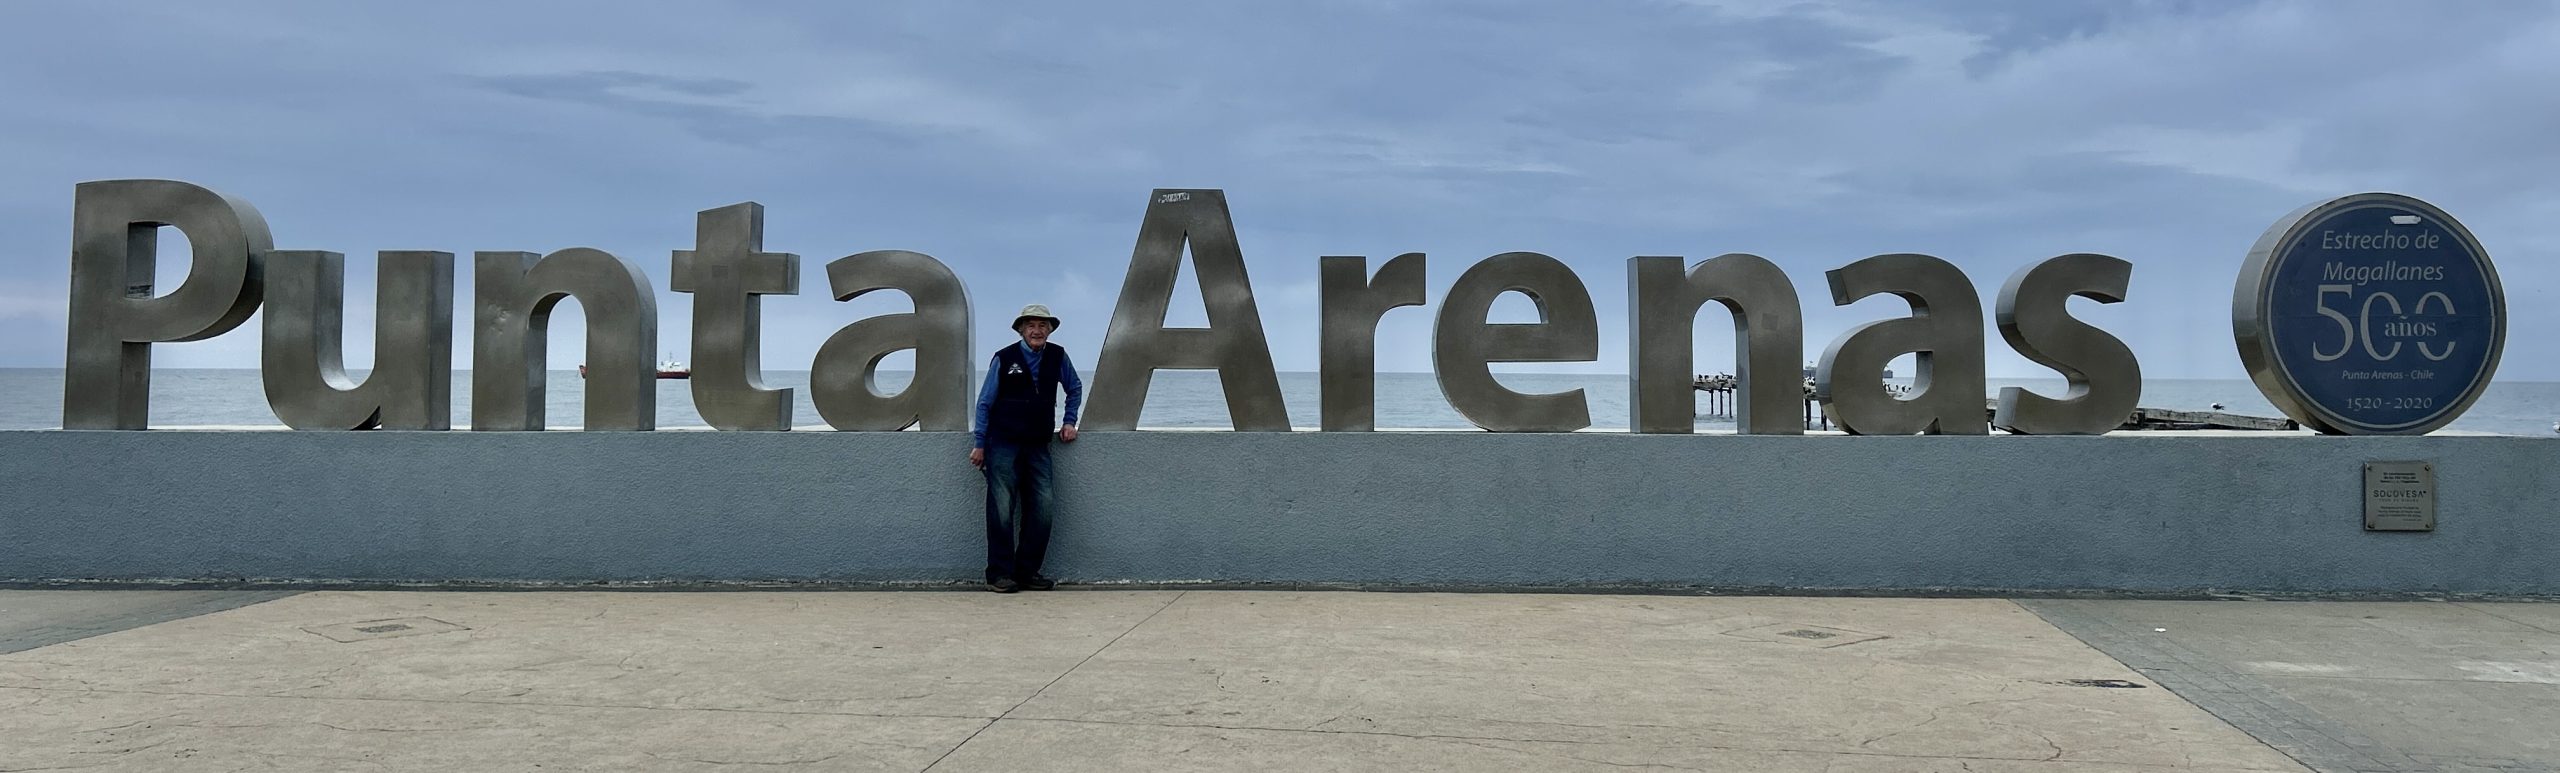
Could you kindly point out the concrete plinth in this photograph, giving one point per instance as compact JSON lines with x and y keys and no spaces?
{"x":2178,"y":514}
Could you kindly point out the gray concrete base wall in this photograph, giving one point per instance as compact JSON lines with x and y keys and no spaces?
{"x":2145,"y":514}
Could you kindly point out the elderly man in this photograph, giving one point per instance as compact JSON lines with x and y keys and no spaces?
{"x":1015,"y":415}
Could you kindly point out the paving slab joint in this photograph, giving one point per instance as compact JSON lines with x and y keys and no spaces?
{"x":2282,"y":724}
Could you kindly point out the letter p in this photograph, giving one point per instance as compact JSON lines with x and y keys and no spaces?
{"x":115,"y":227}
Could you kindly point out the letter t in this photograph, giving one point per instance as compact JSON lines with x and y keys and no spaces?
{"x":726,"y":269}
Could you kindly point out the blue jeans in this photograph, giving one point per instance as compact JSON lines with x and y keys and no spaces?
{"x":1017,"y":509}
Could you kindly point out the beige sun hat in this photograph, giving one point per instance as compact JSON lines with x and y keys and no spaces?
{"x":1035,"y":311}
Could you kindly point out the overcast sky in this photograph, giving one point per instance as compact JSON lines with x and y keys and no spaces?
{"x":1017,"y":142}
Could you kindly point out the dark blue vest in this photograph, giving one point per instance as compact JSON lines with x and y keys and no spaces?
{"x":1025,"y":410}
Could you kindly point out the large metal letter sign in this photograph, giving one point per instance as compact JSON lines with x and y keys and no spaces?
{"x":728,"y":271}
{"x":843,"y":380}
{"x":1463,"y":344}
{"x":516,"y":294}
{"x":1945,"y":332}
{"x":2105,"y":380}
{"x":2372,"y":314}
{"x":1352,"y":303}
{"x":2367,"y":314}
{"x":1768,"y":341}
{"x":1138,"y":343}
{"x":301,"y":356}
{"x":115,"y":224}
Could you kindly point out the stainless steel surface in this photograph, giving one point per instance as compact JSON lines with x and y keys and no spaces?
{"x":1768,"y":342}
{"x":2249,"y":324}
{"x":844,"y":379}
{"x":1945,"y":329}
{"x":728,"y":273}
{"x":1352,"y":301}
{"x":301,"y":349}
{"x":515,"y":295}
{"x":115,"y":315}
{"x":1464,"y":345}
{"x":1138,"y":343}
{"x":2034,"y":317}
{"x":2399,"y":496}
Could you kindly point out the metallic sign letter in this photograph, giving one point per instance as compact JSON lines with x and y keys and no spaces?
{"x":1352,"y":303}
{"x":1138,"y":343}
{"x":411,"y":386}
{"x":727,"y":271}
{"x":1944,"y":329}
{"x":516,"y":295}
{"x":843,"y":380}
{"x":1463,"y":343}
{"x":115,"y":237}
{"x":2032,"y":314}
{"x":1768,"y":341}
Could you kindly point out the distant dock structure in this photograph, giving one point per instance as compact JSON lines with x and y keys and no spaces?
{"x":1720,"y":390}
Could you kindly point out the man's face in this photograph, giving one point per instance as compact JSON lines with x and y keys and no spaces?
{"x":1036,"y":332}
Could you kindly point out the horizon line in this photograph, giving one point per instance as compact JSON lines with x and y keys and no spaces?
{"x":2048,"y":376}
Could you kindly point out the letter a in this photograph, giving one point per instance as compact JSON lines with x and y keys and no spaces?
{"x":1138,"y":343}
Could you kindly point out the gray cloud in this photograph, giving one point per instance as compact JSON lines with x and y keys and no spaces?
{"x":699,"y":105}
{"x":1017,"y":143}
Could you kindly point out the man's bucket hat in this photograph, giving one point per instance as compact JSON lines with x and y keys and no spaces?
{"x":1032,"y":312}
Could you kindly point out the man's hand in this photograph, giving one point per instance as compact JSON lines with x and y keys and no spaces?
{"x":1067,"y":433}
{"x":978,"y":458}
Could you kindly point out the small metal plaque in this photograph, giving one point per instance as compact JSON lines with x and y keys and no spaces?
{"x":2399,"y":496}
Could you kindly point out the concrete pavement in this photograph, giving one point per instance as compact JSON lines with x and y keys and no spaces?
{"x":35,"y":619}
{"x":1275,"y":680}
{"x":2352,"y":685}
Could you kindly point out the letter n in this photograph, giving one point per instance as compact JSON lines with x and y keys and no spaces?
{"x":515,"y":294}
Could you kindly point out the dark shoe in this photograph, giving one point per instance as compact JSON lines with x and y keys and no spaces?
{"x":1037,"y":582}
{"x":1004,"y":585}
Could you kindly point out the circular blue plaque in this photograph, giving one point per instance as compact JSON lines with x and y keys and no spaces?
{"x":2372,"y":314}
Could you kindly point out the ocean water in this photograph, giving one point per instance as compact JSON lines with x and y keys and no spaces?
{"x":31,"y":398}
